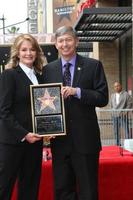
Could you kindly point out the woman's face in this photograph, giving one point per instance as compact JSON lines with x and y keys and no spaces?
{"x":27,"y":54}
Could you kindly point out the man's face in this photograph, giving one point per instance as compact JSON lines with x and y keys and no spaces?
{"x":66,"y":45}
{"x":117,"y":87}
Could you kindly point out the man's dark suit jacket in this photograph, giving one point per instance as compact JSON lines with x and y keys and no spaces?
{"x":15,"y":106}
{"x":81,"y":121}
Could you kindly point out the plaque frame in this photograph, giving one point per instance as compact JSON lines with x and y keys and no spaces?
{"x":48,"y":112}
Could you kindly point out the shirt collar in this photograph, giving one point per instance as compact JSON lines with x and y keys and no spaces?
{"x":72,"y":61}
{"x":26,"y":69}
{"x":118,"y":93}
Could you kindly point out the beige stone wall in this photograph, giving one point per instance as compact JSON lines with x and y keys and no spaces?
{"x":108,"y":52}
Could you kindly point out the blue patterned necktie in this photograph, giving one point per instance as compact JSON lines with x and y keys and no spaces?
{"x":67,"y":75}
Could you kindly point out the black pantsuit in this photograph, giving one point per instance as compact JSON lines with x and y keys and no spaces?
{"x":17,"y":158}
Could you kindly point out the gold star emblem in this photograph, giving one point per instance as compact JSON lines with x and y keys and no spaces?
{"x":47,"y":101}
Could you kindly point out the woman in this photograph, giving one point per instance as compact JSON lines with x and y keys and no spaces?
{"x":20,"y":148}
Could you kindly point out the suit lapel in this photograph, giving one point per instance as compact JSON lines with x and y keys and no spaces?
{"x":39,"y":77}
{"x":114,"y":99}
{"x":24,"y":77}
{"x":58,"y":71}
{"x":78,"y":70}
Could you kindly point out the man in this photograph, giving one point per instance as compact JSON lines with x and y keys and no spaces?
{"x":120,"y":100}
{"x":76,"y":155}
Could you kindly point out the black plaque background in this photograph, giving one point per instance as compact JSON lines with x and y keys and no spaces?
{"x":49,"y":124}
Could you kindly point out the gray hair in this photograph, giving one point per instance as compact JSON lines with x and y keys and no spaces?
{"x":65,"y":30}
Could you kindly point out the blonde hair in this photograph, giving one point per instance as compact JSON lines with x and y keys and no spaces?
{"x":40,"y":60}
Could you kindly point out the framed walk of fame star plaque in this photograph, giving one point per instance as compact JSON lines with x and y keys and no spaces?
{"x":47,"y":104}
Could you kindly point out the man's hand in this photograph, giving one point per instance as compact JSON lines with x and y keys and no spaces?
{"x":68,"y":91}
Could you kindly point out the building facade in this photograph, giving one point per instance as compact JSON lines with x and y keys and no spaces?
{"x":117,"y":55}
{"x":45,"y":16}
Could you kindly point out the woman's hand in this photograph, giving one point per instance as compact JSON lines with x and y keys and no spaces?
{"x":32,"y":137}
